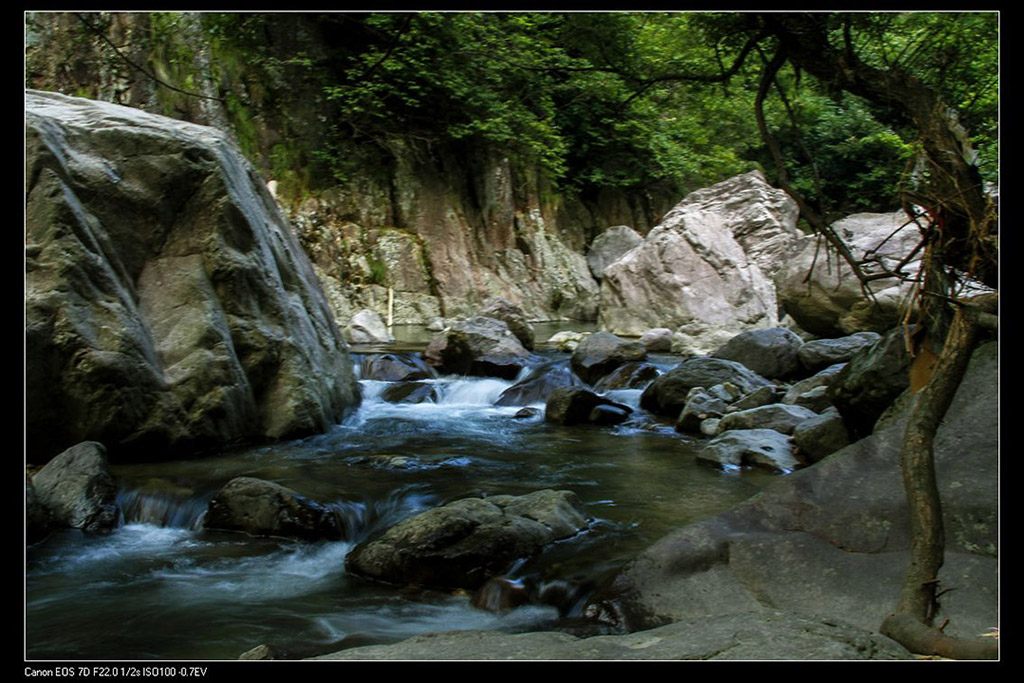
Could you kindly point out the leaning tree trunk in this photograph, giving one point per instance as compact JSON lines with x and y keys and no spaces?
{"x":961,"y":237}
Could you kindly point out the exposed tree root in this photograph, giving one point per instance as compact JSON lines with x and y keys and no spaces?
{"x":927,"y":640}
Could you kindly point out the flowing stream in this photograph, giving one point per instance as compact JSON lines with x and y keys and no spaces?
{"x":161,"y":588}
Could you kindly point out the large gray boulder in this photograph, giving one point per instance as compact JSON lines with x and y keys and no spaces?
{"x":168,"y":305}
{"x":76,"y":490}
{"x":512,"y":315}
{"x":706,"y":271}
{"x":466,"y":542}
{"x":832,"y":540}
{"x":772,"y":353}
{"x":831,"y":302}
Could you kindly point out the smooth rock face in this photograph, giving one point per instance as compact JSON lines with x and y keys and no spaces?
{"x":168,"y":304}
{"x":832,"y":303}
{"x":609,"y":246}
{"x":706,"y":271}
{"x":465,"y":543}
{"x":263,"y":508}
{"x":77,"y":490}
{"x":748,"y":636}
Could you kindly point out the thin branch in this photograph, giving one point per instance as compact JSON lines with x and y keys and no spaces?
{"x":135,"y":66}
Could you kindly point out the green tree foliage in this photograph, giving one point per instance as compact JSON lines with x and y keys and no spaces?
{"x":623,"y":99}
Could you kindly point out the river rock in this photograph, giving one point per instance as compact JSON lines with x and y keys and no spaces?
{"x":765,"y":448}
{"x":38,"y":520}
{"x":410,"y":392}
{"x":168,"y":305}
{"x":538,"y":384}
{"x":394,"y":367}
{"x":701,"y":405}
{"x":657,"y":340}
{"x":263,"y":508}
{"x":833,"y":540}
{"x":466,"y":542}
{"x":633,"y":375}
{"x":366,"y":327}
{"x":831,"y":303}
{"x":706,"y":270}
{"x":818,"y":354}
{"x":821,"y":435}
{"x":772,"y":353}
{"x":875,"y":377}
{"x":479,"y":346}
{"x":778,"y":416}
{"x":609,"y":246}
{"x":78,"y":490}
{"x":512,"y":315}
{"x":761,"y":396}
{"x":823,"y":378}
{"x":601,"y":352}
{"x":667,"y":394}
{"x":577,"y":405}
{"x":567,"y":340}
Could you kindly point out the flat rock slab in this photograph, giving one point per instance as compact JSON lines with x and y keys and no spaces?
{"x":749,"y":636}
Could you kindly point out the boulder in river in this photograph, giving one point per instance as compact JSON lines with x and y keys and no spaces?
{"x":601,"y":352}
{"x":539,"y":383}
{"x":77,"y":489}
{"x":772,"y":353}
{"x":168,"y":304}
{"x":479,"y":346}
{"x":818,"y":354}
{"x":765,"y":448}
{"x":667,"y":395}
{"x":512,"y":315}
{"x":466,"y":542}
{"x":579,"y":405}
{"x":394,"y":367}
{"x":264,"y":508}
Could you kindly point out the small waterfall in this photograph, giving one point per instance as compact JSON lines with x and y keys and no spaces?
{"x":163,"y":509}
{"x":359,"y":519}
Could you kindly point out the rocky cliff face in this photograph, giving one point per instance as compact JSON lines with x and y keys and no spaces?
{"x":168,"y":304}
{"x":446,"y":234}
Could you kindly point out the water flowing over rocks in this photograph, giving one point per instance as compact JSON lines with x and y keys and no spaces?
{"x":578,"y":405}
{"x":706,"y":271}
{"x":466,"y":542}
{"x":168,"y":304}
{"x":263,"y":508}
{"x":76,"y":490}
{"x":831,"y":541}
{"x":539,"y":383}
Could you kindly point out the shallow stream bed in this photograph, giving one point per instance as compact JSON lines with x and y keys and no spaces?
{"x":161,"y":588}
